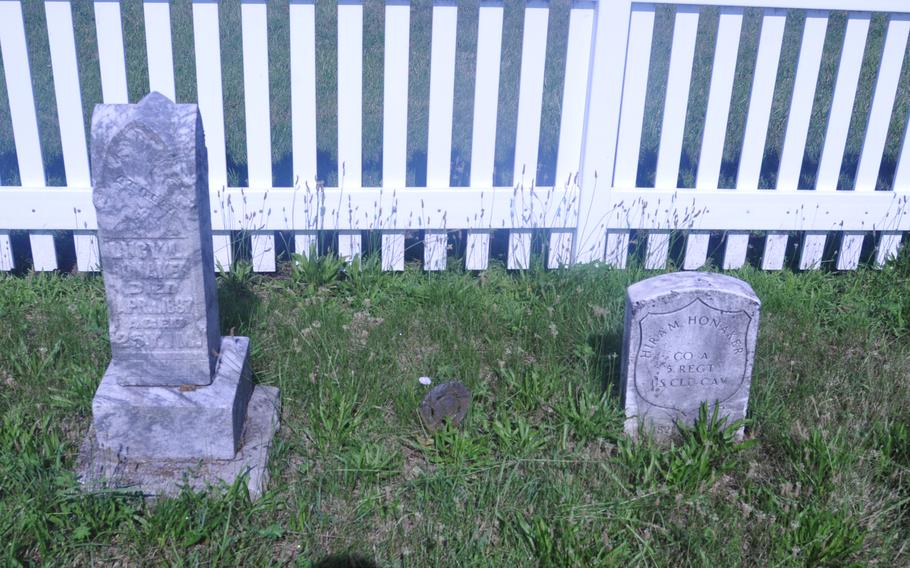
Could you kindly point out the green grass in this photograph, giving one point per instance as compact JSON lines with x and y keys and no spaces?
{"x":540,"y":472}
{"x":421,"y":20}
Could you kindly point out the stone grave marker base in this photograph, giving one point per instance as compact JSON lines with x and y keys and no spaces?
{"x":101,"y":470}
{"x":155,"y":441}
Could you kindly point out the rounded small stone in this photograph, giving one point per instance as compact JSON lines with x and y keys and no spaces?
{"x":446,"y":401}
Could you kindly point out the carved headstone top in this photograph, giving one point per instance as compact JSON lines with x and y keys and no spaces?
{"x":150,"y":176}
{"x":689,"y":339}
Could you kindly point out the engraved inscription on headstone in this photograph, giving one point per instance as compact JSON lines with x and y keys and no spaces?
{"x":152,"y":202}
{"x":689,"y":339}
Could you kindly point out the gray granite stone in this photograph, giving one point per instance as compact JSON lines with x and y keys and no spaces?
{"x":177,"y":422}
{"x":150,"y":176}
{"x":104,"y":470}
{"x":689,"y":338}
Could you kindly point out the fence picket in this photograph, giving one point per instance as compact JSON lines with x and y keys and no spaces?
{"x":111,"y":59}
{"x":477,"y":250}
{"x":842,"y":101}
{"x":349,"y":245}
{"x":753,"y":148}
{"x":59,"y":17}
{"x":635,"y":87}
{"x":350,"y":111}
{"x":726,"y":49}
{"x":25,"y":122}
{"x":486,"y":88}
{"x":682,"y":54}
{"x":902,"y":172}
{"x":483,"y":136}
{"x":66,"y":88}
{"x":222,"y":248}
{"x":617,"y":249}
{"x":395,"y":119}
{"x":571,"y":124}
{"x":560,"y":249}
{"x":813,"y":248}
{"x":810,"y":59}
{"x":889,"y":72}
{"x":530,"y":93}
{"x":442,"y":93}
{"x":696,"y":249}
{"x":350,"y":93}
{"x":158,"y":46}
{"x":254,"y":26}
{"x":442,"y":97}
{"x":302,"y":14}
{"x":19,"y":91}
{"x":658,"y":250}
{"x":209,"y":95}
{"x":775,"y":250}
{"x":392,"y":250}
{"x":890,"y":242}
{"x":6,"y":252}
{"x":519,"y":255}
{"x":888,"y":247}
{"x":527,"y":133}
{"x":735,"y":249}
{"x":395,"y":95}
{"x":434,"y":246}
{"x":44,"y":254}
{"x":262,"y":244}
{"x":603,"y":108}
{"x":850,"y":248}
{"x":88,"y":257}
{"x":256,"y":92}
{"x":305,"y":242}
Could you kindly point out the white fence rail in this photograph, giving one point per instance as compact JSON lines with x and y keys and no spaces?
{"x":596,"y":203}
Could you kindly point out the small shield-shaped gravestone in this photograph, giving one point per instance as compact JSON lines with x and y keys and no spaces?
{"x":447,"y":401}
{"x":689,"y":340}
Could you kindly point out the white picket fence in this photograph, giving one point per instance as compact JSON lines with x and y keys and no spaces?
{"x":588,"y":215}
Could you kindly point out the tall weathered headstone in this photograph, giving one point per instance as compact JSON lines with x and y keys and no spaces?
{"x":152,"y":201}
{"x":177,"y":404}
{"x":689,"y":339}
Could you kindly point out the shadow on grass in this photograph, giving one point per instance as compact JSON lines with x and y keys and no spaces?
{"x":236,"y":302}
{"x":607,"y":350}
